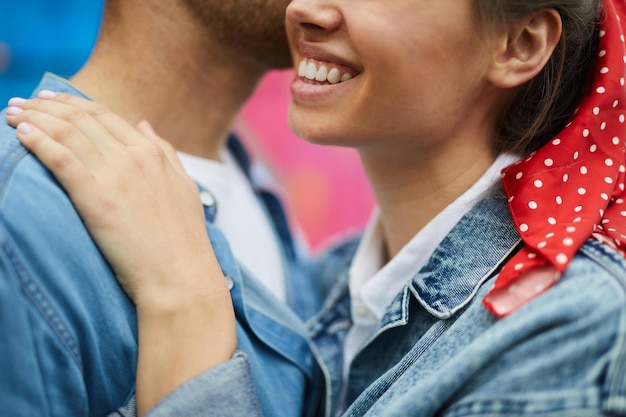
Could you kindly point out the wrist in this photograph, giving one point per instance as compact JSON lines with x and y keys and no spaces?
{"x":181,"y":335}
{"x":184,"y":302}
{"x":178,"y":285}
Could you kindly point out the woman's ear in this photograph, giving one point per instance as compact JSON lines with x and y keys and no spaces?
{"x":524,"y":47}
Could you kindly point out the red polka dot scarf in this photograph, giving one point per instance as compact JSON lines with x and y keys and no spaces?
{"x":573,"y":187}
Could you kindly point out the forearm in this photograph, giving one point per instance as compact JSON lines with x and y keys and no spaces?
{"x":181,"y":335}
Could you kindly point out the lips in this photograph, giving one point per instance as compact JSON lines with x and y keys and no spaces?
{"x":324,"y":72}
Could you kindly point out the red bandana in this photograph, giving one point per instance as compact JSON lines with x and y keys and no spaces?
{"x":573,"y":187}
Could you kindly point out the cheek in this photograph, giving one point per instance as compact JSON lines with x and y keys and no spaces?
{"x":390,"y":99}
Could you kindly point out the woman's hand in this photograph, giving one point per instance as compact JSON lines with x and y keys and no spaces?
{"x":139,"y":205}
{"x":145,"y":215}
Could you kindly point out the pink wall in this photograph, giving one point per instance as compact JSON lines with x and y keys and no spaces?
{"x":326,"y":187}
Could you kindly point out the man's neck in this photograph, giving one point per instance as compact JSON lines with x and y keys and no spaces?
{"x":188,"y":89}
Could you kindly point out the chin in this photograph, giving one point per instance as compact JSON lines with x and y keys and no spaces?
{"x":310,"y":133}
{"x":310,"y":129}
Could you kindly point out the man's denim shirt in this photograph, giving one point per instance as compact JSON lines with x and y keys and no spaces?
{"x":69,"y":332}
{"x":439,"y":352}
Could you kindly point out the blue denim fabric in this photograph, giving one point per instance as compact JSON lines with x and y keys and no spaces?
{"x":439,"y":352}
{"x":223,"y":384}
{"x":69,"y":336}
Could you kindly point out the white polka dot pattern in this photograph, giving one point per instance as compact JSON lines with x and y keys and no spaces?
{"x":584,"y":167}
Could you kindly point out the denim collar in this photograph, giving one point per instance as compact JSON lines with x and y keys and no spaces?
{"x":473,"y":251}
{"x":59,"y":84}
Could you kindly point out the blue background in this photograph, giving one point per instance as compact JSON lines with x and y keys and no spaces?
{"x":43,"y":35}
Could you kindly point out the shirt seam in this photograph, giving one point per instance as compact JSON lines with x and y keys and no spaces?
{"x":41,"y":302}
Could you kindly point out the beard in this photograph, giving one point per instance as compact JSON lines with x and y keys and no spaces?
{"x":253,"y":28}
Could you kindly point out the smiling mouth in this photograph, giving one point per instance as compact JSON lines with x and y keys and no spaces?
{"x":322,"y":72}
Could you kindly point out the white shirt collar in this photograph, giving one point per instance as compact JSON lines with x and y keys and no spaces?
{"x":373,"y":286}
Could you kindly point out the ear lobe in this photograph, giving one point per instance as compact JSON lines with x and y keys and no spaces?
{"x":525,"y":47}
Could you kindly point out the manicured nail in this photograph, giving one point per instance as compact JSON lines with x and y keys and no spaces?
{"x":12,"y":111}
{"x":46,"y":94}
{"x":17,"y":101}
{"x":24,"y":128}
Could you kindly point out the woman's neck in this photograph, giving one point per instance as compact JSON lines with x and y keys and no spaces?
{"x":411,"y":191}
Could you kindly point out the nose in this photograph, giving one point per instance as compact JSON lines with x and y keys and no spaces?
{"x":313,"y":16}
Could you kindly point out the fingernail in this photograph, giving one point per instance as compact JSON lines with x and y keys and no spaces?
{"x":46,"y":94}
{"x":24,"y":128}
{"x":12,"y":111}
{"x":17,"y":101}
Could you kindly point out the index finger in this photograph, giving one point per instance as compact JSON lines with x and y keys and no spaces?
{"x":115,"y":125}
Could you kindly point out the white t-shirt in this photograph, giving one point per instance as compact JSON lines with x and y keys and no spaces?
{"x":373,"y":285}
{"x":242,"y":218}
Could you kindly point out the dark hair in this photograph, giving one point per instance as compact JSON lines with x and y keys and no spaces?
{"x":544,"y":105}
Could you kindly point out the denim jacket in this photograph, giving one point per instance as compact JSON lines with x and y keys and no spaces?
{"x":69,"y":333}
{"x":439,"y":352}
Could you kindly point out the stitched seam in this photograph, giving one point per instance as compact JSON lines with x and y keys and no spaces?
{"x":399,"y":369}
{"x":42,"y":303}
{"x":615,"y":387}
{"x":41,"y":373}
{"x":9,"y":161}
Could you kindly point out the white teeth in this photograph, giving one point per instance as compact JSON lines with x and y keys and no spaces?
{"x":310,"y":71}
{"x":302,"y":69}
{"x":322,"y":73}
{"x":334,"y":76}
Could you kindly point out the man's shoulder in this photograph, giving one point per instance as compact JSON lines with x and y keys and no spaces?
{"x":9,"y":144}
{"x":64,"y":299}
{"x":44,"y":244}
{"x":27,"y":189}
{"x":12,"y":152}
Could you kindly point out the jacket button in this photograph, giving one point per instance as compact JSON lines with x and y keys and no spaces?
{"x":362,"y":311}
{"x":207,"y":199}
{"x":229,"y":281}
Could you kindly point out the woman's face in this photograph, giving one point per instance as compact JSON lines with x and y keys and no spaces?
{"x":387,"y":71}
